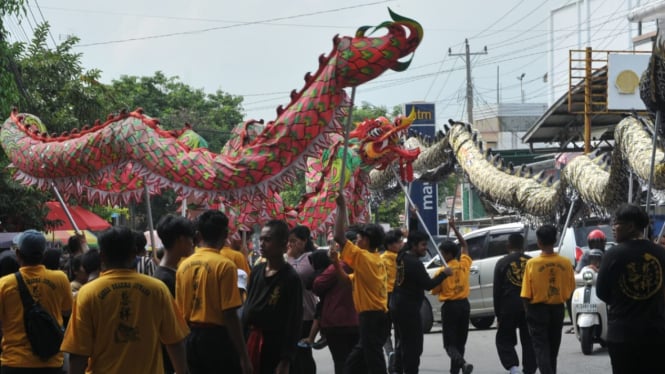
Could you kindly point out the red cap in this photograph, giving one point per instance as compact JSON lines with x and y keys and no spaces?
{"x":596,"y":235}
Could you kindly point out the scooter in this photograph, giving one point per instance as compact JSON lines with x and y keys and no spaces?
{"x":589,"y":312}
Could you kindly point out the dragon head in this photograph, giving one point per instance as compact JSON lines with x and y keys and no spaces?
{"x":363,"y":58}
{"x":380,"y":143}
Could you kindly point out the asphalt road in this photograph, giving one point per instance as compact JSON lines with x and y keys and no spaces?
{"x":481,"y":352}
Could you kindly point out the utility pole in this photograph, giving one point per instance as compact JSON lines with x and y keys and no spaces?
{"x":469,"y":84}
{"x":521,"y":78}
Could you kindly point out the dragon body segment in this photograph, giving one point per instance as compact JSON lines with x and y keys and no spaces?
{"x":600,"y":181}
{"x":116,"y":159}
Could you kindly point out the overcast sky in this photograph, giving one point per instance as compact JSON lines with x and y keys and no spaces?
{"x":261,"y":49}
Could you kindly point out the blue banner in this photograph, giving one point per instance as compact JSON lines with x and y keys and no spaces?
{"x":425,"y":195}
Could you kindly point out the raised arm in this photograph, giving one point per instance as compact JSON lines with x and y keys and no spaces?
{"x":462,"y":243}
{"x":340,"y":221}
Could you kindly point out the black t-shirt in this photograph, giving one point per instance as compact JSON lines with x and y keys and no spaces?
{"x":630,"y":281}
{"x":508,"y":273}
{"x":166,"y":275}
{"x":274,"y":305}
{"x":411,"y":280}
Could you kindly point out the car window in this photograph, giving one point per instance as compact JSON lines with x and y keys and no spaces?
{"x":497,"y":245}
{"x":531,"y":240}
{"x":477,"y":247}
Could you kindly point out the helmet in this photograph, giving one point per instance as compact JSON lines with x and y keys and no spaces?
{"x":596,"y":235}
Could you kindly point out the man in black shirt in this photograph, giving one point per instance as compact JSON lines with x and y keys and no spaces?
{"x":177,"y":236}
{"x":273,"y":309}
{"x":410,"y":282}
{"x":630,"y":281}
{"x":509,"y":308}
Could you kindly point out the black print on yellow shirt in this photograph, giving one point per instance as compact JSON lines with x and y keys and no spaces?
{"x":642,"y":278}
{"x":458,"y":288}
{"x":516,"y":272}
{"x":124,"y":332}
{"x":196,"y":300}
{"x":552,"y":290}
{"x":274,"y":296}
{"x":35,"y":281}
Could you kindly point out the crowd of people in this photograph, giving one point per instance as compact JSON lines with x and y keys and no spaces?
{"x":201,"y":308}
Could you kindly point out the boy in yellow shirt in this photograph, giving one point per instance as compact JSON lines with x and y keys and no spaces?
{"x":370,"y":295}
{"x":547,"y":283}
{"x":453,"y":293}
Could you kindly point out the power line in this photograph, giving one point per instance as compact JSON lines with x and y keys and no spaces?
{"x":499,"y":19}
{"x":190,"y":19}
{"x":192,"y":32}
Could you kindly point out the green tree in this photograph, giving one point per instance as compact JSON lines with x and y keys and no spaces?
{"x":50,"y":84}
{"x":57,"y":88}
{"x":175,"y":103}
{"x":9,"y":95}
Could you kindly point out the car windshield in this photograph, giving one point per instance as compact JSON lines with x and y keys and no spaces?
{"x":582,"y":232}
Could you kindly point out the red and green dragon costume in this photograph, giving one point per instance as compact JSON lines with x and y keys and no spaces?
{"x":111,"y":161}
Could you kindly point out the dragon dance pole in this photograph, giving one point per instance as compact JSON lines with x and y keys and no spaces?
{"x":420,"y":218}
{"x":347,"y":129}
{"x":64,"y":207}
{"x":568,"y":216}
{"x":149,"y":211}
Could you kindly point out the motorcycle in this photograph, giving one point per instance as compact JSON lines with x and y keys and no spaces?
{"x":589,"y":312}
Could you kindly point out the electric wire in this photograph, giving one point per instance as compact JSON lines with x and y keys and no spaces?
{"x":242,"y":24}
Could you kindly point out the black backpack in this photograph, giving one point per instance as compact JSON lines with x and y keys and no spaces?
{"x":44,"y":333}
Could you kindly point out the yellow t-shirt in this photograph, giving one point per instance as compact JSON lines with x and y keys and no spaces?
{"x":238,"y":259}
{"x":118,"y":321}
{"x":51,"y":288}
{"x":548,"y":279}
{"x":369,"y":282}
{"x":206,"y":285}
{"x":390,"y":260}
{"x":455,"y":286}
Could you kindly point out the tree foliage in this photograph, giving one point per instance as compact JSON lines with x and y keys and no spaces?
{"x":175,"y":103}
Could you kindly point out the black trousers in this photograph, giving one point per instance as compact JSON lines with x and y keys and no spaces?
{"x":341,"y":341}
{"x":637,"y":357}
{"x":304,"y":361}
{"x":545,"y":322}
{"x":209,"y":349}
{"x":409,"y":328}
{"x":506,"y":340}
{"x":367,"y":355}
{"x":10,"y":370}
{"x":271,"y":353}
{"x":455,"y":319}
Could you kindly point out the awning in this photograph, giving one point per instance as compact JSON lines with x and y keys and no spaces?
{"x":558,"y":125}
{"x":85,"y":219}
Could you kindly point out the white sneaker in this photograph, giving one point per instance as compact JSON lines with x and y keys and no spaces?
{"x":515,"y":370}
